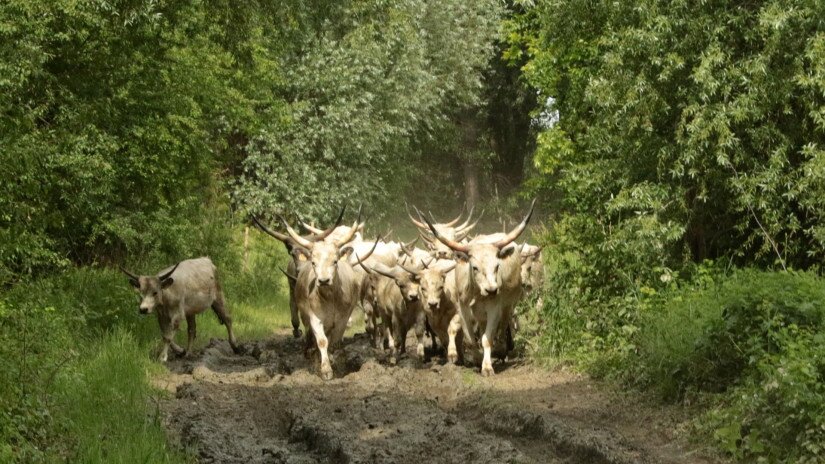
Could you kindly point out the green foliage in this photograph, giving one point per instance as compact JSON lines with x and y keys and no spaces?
{"x":756,"y":339}
{"x":367,"y":97}
{"x":73,"y":349}
{"x":47,"y":331}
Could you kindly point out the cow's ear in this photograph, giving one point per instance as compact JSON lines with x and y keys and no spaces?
{"x":299,"y":254}
{"x":134,"y":282}
{"x":461,"y":256}
{"x":167,"y":282}
{"x":505,"y":252}
{"x":346,"y":251}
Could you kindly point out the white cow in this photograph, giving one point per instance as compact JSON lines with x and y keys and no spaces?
{"x":488,"y":282}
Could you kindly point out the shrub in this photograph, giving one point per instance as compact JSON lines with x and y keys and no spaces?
{"x":753,"y":345}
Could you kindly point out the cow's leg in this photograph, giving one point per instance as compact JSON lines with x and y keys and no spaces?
{"x":514,"y":325}
{"x":369,"y":321}
{"x":420,"y":329}
{"x":309,"y":342}
{"x":219,"y":306}
{"x":431,"y":333}
{"x":400,"y":334}
{"x":293,"y":311}
{"x":323,"y":345}
{"x":389,"y":335}
{"x":493,"y":319}
{"x":168,"y":327}
{"x":191,"y":332}
{"x":452,"y":331}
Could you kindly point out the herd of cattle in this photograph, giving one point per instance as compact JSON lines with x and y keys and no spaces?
{"x":462,"y":290}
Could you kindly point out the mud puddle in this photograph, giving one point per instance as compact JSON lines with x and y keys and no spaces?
{"x":269,"y":406}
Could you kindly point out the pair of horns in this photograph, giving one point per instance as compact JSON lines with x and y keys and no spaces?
{"x":293,"y":238}
{"x":135,"y":279}
{"x":514,"y":234}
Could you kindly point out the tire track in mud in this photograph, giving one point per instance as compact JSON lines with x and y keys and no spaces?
{"x":269,"y":406}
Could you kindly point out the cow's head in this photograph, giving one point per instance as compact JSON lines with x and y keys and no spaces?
{"x":530,"y":259}
{"x":322,"y":255}
{"x":150,"y":288}
{"x":448,"y":230}
{"x":486,"y":254}
{"x":406,"y":278}
{"x":431,"y":280}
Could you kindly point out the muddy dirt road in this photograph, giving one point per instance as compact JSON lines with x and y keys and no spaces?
{"x":269,"y":406}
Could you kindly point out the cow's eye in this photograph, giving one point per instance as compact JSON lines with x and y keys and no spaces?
{"x":155,"y":293}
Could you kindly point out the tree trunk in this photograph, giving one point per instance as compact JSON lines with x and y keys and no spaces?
{"x":470,"y":183}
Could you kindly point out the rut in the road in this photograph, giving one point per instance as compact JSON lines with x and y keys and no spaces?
{"x":270,"y":407}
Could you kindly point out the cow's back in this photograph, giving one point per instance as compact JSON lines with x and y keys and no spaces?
{"x":194,"y":284}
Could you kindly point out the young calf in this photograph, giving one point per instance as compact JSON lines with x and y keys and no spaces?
{"x":438,"y":297}
{"x":399,"y":306}
{"x":182,"y":291}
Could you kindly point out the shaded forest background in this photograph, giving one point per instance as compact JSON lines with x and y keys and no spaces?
{"x":676,"y":149}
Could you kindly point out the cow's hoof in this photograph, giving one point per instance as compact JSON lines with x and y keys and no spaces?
{"x":296,"y":333}
{"x":181,"y":353}
{"x":393,"y":360}
{"x":487,"y":371}
{"x":237,"y":349}
{"x":326,"y":375}
{"x":452,"y":358}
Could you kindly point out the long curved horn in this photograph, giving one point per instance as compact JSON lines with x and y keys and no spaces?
{"x":518,"y":230}
{"x":449,"y":268}
{"x":450,"y":243}
{"x":409,"y":246}
{"x":134,"y":278}
{"x":378,"y":239}
{"x":166,"y":276}
{"x":297,"y":238}
{"x":287,"y":274}
{"x":311,"y":229}
{"x":424,"y":237}
{"x":458,"y":218}
{"x":365,"y":268}
{"x":466,"y":227}
{"x":469,"y":218}
{"x":463,"y":233}
{"x":349,"y":236}
{"x":417,"y":223}
{"x":383,"y":270}
{"x":274,"y":234}
{"x":409,"y":271}
{"x":326,"y":233}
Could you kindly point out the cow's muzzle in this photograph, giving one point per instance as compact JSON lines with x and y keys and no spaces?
{"x":143,"y":310}
{"x":433,"y":304}
{"x":324,"y":282}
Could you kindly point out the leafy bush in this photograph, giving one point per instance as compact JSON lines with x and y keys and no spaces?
{"x":753,"y":343}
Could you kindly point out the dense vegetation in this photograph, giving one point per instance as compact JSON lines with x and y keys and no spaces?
{"x":678,"y":146}
{"x":141,"y":132}
{"x":683,"y":140}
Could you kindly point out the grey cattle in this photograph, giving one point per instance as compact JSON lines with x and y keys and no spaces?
{"x":398,"y":303}
{"x":296,"y":261}
{"x":326,"y":291}
{"x":488,"y":282}
{"x":439,"y":300}
{"x":182,"y":292}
